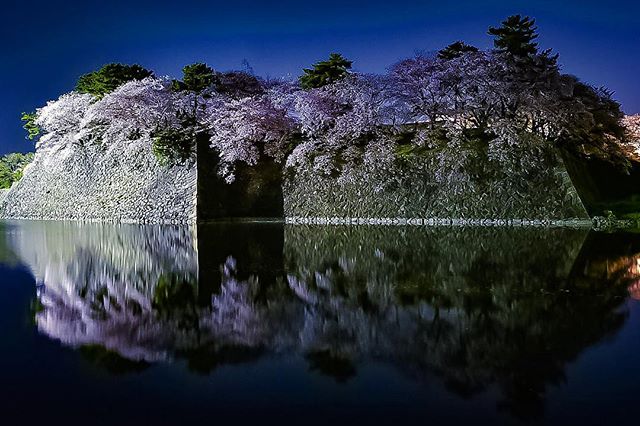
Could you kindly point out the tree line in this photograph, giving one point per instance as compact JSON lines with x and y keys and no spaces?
{"x":503,"y":104}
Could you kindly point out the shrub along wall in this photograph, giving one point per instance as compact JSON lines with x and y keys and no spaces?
{"x":604,"y":186}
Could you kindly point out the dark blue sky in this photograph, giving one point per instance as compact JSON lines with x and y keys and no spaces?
{"x":46,"y":45}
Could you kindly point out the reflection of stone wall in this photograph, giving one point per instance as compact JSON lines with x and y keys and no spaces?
{"x":475,"y":307}
{"x":121,"y":182}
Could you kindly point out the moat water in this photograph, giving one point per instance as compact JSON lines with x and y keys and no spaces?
{"x":263,"y":323}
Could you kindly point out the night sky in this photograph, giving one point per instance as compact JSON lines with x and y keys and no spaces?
{"x":45,"y":46}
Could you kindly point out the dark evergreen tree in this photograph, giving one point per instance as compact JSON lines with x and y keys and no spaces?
{"x":178,"y":145}
{"x":516,"y":36}
{"x":325,"y":72}
{"x":196,"y":78}
{"x":173,"y":145}
{"x":455,"y":50}
{"x":110,"y":77}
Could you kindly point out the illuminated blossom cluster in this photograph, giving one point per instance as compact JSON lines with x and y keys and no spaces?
{"x":423,"y":102}
{"x":133,"y":110}
{"x":632,"y":124}
{"x":340,"y":118}
{"x":462,"y":92}
{"x":61,"y":118}
{"x":243,"y":130}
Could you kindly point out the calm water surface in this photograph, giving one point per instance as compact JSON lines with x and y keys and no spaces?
{"x":121,"y":324}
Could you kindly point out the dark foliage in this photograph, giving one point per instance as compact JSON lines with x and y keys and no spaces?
{"x":11,"y":167}
{"x":29,"y":119}
{"x":325,"y":72}
{"x":196,"y":78}
{"x":455,"y":50}
{"x":173,"y":145}
{"x":110,"y":77}
{"x":516,"y":36}
{"x":239,"y":84}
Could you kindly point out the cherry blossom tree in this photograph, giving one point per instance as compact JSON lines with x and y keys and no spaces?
{"x":133,"y":110}
{"x":471,"y":90}
{"x":419,"y":89}
{"x":340,"y":118}
{"x":632,"y":125}
{"x":247,"y":129}
{"x":62,"y":117}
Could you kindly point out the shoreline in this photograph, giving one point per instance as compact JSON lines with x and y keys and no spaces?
{"x":595,"y":223}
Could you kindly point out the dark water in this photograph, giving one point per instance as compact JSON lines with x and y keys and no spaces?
{"x":105,"y":324}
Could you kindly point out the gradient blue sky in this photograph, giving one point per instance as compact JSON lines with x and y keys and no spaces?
{"x":46,"y":45}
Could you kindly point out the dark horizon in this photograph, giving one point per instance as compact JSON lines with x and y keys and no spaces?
{"x":46,"y":46}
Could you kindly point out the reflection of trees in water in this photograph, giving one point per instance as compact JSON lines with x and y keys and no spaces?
{"x":98,"y":280}
{"x":111,"y":361}
{"x":476,"y":307}
{"x":7,"y":255}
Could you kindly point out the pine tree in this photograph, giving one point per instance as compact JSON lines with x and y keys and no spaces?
{"x":196,"y":78}
{"x":325,"y":72}
{"x":110,"y":77}
{"x":455,"y":50}
{"x":516,"y":36}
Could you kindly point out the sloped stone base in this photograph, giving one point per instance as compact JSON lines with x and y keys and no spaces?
{"x":118,"y":183}
{"x":413,"y":193}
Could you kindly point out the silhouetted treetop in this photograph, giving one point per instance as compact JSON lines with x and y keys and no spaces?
{"x":110,"y":77}
{"x":325,"y":72}
{"x":516,"y":36}
{"x":196,"y":78}
{"x":455,"y":50}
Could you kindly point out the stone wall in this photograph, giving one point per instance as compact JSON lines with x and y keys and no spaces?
{"x":413,"y":191}
{"x":3,"y":194}
{"x":118,"y":182}
{"x":256,"y":191}
{"x":604,"y":186}
{"x":123,"y":182}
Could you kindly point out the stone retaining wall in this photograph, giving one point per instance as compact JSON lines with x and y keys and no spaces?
{"x":411,"y":191}
{"x":3,"y":194}
{"x":123,"y":182}
{"x":115,"y":183}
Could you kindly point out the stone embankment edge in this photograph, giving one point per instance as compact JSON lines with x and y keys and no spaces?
{"x":103,"y":220}
{"x":596,"y":222}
